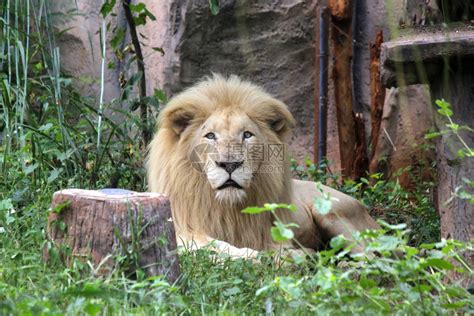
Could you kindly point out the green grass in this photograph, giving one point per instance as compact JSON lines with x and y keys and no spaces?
{"x":329,"y":283}
{"x":51,"y":138}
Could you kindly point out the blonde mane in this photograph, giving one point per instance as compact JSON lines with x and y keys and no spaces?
{"x":170,"y":171}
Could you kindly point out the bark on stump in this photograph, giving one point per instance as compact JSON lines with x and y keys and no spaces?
{"x":109,"y":222}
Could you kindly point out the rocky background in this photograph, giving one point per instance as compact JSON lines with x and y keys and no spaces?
{"x":270,"y":42}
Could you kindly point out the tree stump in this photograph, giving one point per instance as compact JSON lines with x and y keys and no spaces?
{"x":111,"y":223}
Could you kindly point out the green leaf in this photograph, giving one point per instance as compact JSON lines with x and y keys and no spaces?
{"x":107,"y":7}
{"x":337,"y":242}
{"x":152,"y":101}
{"x":255,"y":210}
{"x":435,"y":134}
{"x":367,"y":283}
{"x":160,"y":95}
{"x":322,"y":204}
{"x":280,"y":232}
{"x":464,"y":195}
{"x":61,"y":206}
{"x":6,"y":204}
{"x":137,"y":8}
{"x":394,"y":227}
{"x":160,"y":50}
{"x":118,"y":38}
{"x":439,"y":263}
{"x":134,"y":104}
{"x":93,"y":309}
{"x":54,"y":175}
{"x":150,"y":15}
{"x":232,"y":291}
{"x":214,"y":6}
{"x":410,"y":252}
{"x":31,"y":168}
{"x":456,"y":305}
{"x":444,"y":108}
{"x":270,"y":206}
{"x":427,"y":246}
{"x":470,"y":183}
{"x":262,"y":290}
{"x":455,"y":291}
{"x":45,"y":127}
{"x":453,"y":126}
{"x":139,"y":20}
{"x":388,"y":242}
{"x":90,"y":290}
{"x":134,"y":78}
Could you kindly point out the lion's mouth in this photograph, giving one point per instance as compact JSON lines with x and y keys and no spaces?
{"x":229,"y":184}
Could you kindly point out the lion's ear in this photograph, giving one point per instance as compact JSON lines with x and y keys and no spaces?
{"x":280,"y":125}
{"x":178,"y":119}
{"x":276,"y":116}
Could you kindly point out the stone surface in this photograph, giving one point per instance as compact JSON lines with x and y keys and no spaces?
{"x":407,"y":118}
{"x":79,"y":46}
{"x":267,"y":42}
{"x":406,"y":55}
{"x":272,"y":43}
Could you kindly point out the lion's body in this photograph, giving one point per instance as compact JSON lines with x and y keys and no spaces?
{"x":203,"y":209}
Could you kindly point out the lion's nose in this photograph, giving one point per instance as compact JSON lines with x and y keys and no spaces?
{"x":229,"y":166}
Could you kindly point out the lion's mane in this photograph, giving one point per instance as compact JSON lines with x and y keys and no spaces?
{"x":194,"y":206}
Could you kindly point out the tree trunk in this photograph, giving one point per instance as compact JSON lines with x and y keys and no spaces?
{"x":457,"y":214}
{"x":101,"y":225}
{"x":377,"y":91}
{"x":352,"y":146}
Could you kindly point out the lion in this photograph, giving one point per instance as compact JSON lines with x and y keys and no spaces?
{"x":220,"y":147}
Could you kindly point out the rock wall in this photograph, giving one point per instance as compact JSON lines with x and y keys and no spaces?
{"x":270,"y":42}
{"x":78,"y":23}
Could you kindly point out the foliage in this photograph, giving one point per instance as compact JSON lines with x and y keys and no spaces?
{"x":385,"y":199}
{"x":332,"y":282}
{"x":136,"y":15}
{"x":465,"y":189}
{"x":214,"y":6}
{"x":381,"y":284}
{"x":47,"y":126}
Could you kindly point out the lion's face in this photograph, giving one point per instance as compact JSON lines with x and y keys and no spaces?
{"x":228,"y":148}
{"x":224,"y":138}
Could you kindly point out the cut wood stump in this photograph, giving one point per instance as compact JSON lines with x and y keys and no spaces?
{"x":104,"y":225}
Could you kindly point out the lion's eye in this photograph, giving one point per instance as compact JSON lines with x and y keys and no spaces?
{"x":210,"y":136}
{"x":247,"y":134}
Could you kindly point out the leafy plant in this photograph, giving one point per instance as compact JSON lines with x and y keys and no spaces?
{"x":464,"y":190}
{"x":136,"y":15}
{"x":281,"y":232}
{"x":400,"y":279}
{"x":214,"y":6}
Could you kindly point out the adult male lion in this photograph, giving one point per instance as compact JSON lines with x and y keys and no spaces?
{"x":220,"y":147}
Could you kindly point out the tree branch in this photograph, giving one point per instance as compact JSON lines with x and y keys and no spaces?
{"x":141,"y":68}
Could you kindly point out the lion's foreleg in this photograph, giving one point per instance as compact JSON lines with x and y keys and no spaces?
{"x":195,"y":242}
